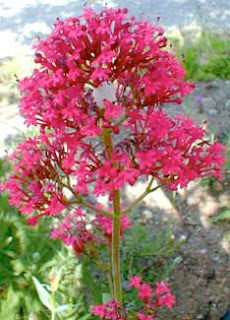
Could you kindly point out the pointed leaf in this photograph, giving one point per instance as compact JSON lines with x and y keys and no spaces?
{"x":62,"y":307}
{"x":85,"y":317}
{"x":43,"y":294}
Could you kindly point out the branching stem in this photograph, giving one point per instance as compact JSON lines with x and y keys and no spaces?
{"x":141,"y":197}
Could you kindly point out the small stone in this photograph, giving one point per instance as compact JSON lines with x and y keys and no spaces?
{"x":36,"y":255}
{"x":216,"y":259}
{"x":212,"y":112}
{"x":183,"y":238}
{"x":172,"y":237}
{"x":178,"y":259}
{"x":203,"y":251}
{"x":126,"y":286}
{"x":147,"y":214}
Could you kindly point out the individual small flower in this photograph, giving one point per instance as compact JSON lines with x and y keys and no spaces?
{"x":100,"y":310}
{"x":168,"y":300}
{"x":164,"y":296}
{"x":135,"y":281}
{"x":161,"y":288}
{"x":32,"y":221}
{"x":112,"y":111}
{"x":145,"y":292}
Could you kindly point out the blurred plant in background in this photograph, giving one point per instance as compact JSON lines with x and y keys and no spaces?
{"x":10,"y":70}
{"x":206,"y":57}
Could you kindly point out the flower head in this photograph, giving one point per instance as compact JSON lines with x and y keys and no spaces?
{"x":96,"y":98}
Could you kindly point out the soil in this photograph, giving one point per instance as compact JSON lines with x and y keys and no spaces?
{"x":201,"y":280}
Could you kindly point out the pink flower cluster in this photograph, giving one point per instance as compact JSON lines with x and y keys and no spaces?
{"x":92,"y":49}
{"x":96,"y":97}
{"x":72,"y":230}
{"x":104,"y":225}
{"x":151,"y":302}
{"x":111,"y":310}
{"x":76,"y":230}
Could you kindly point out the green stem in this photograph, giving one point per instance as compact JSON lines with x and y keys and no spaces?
{"x":116,"y":271}
{"x":115,"y":249}
{"x":110,"y":282}
{"x":140,"y":198}
{"x":79,"y":200}
{"x":53,"y":305}
{"x":92,"y":207}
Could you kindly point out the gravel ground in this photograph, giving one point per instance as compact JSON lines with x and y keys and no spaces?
{"x":21,"y":21}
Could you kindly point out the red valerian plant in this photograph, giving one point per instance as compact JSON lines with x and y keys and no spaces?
{"x":96,"y":97}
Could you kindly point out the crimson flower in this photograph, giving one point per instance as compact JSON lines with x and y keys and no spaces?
{"x":96,"y":97}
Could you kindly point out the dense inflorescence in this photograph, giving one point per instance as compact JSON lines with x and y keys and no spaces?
{"x":96,"y":97}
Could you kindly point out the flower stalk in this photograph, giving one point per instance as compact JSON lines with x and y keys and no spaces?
{"x":116,"y":269}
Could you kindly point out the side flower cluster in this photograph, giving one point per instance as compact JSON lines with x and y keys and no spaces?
{"x":83,"y":234}
{"x":152,"y":300}
{"x":111,"y":310}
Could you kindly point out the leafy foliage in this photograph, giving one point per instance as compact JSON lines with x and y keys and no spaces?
{"x":217,"y":66}
{"x":26,"y":252}
{"x":223,"y":215}
{"x":142,"y":250}
{"x":208,"y":57}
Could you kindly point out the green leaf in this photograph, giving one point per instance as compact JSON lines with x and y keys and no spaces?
{"x":105,"y":297}
{"x":43,"y":294}
{"x":87,"y":316}
{"x":223,"y":215}
{"x":66,"y":306}
{"x":63,"y":307}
